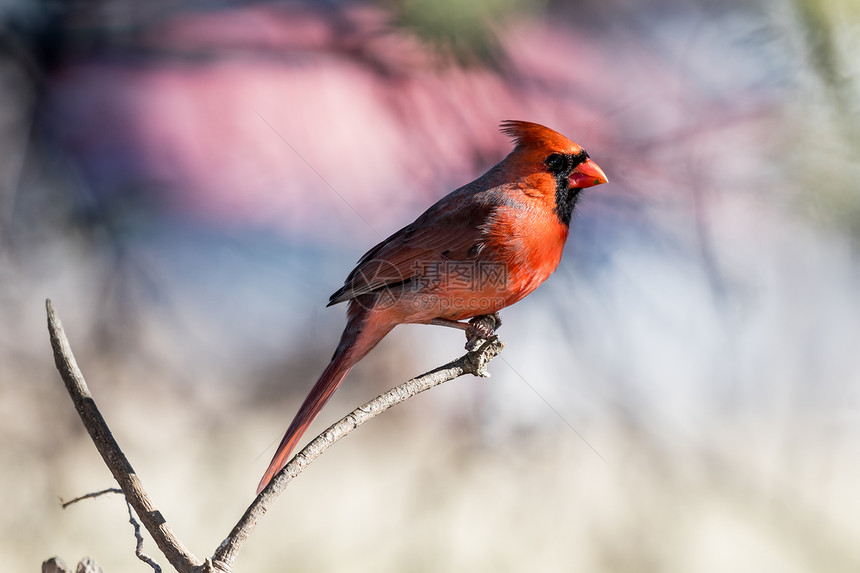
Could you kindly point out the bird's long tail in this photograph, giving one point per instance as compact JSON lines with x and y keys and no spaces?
{"x":361,"y":334}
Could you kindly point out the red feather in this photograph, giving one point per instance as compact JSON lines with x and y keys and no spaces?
{"x":479,"y":249}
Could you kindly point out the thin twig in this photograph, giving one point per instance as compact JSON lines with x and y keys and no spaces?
{"x":65,"y":504}
{"x":474,"y":362}
{"x":138,"y":548}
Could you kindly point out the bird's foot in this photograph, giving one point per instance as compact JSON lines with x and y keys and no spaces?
{"x":481,"y":328}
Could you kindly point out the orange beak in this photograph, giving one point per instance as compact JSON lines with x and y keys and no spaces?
{"x":587,"y":174}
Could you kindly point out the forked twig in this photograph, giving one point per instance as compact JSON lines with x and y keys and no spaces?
{"x":474,"y":362}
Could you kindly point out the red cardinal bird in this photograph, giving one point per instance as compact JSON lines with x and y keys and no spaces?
{"x":479,"y":249}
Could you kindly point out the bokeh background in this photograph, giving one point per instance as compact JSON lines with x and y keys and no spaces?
{"x":189,"y":181}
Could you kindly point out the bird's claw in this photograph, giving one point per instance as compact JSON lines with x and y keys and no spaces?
{"x":481,"y":328}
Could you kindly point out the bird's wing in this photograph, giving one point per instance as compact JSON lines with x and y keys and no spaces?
{"x":437,"y":235}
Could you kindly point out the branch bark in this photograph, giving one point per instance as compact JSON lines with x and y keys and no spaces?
{"x":474,"y":362}
{"x":166,"y":540}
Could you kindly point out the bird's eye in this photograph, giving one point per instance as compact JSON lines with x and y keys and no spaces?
{"x":555,"y":162}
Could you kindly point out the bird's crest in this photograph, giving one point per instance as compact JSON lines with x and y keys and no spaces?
{"x":528,"y":134}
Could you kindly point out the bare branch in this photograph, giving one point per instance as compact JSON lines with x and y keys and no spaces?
{"x":167,"y":541}
{"x":474,"y":362}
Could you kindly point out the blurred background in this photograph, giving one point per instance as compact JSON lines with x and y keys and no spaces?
{"x":189,"y":181}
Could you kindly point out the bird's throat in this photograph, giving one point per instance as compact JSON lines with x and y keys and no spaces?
{"x":565,"y":200}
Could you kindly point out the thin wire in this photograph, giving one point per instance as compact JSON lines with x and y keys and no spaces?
{"x":323,"y":179}
{"x":551,"y":407}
